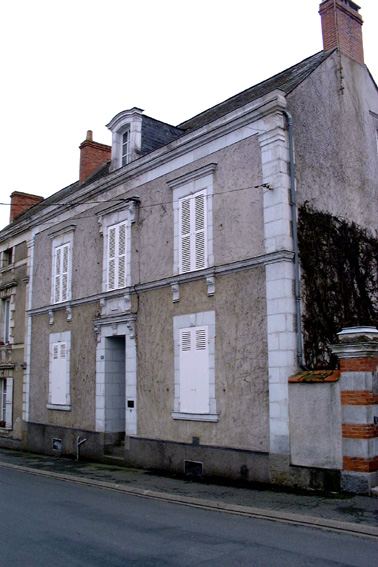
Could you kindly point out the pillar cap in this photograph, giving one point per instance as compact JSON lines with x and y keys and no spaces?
{"x":358,"y":334}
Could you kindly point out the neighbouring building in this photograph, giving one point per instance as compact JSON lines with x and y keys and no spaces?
{"x":14,"y":290}
{"x":163,"y":306}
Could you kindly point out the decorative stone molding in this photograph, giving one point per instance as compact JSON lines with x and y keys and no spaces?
{"x":191,"y":176}
{"x":210,"y":282}
{"x":61,"y":231}
{"x":115,"y":328}
{"x":127,"y":299}
{"x":175,"y":292}
{"x":69,"y":313}
{"x":97,"y":331}
{"x":131,"y":327}
{"x":51,"y":315}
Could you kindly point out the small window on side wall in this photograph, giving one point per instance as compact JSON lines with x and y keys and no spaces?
{"x":7,"y":257}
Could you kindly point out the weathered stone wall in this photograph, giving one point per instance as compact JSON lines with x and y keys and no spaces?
{"x":335,"y":141}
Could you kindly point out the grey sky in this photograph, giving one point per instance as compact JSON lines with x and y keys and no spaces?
{"x":70,"y":66}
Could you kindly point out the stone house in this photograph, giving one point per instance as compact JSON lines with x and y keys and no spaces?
{"x":164,"y":318}
{"x":14,"y":294}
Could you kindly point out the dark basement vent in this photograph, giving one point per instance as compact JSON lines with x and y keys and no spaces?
{"x":193,"y":469}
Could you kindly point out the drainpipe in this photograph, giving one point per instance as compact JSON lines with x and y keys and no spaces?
{"x":293,"y":203}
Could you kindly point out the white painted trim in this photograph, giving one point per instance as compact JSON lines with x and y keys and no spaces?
{"x":195,"y":416}
{"x":204,"y":318}
{"x":281,"y":335}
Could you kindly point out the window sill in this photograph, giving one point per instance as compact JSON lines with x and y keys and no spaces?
{"x":213,"y":417}
{"x":58,"y":407}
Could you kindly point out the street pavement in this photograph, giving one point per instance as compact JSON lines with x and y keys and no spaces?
{"x":347,"y":513}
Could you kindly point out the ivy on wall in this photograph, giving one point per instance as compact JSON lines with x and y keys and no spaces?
{"x":339,"y":269}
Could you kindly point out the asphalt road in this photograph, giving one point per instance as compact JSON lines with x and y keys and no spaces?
{"x":47,"y":522}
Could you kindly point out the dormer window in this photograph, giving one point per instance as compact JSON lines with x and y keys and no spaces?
{"x":125,"y":148}
{"x":126,"y":129}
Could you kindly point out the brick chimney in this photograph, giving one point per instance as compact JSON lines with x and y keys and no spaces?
{"x":20,"y":202}
{"x":92,"y":156}
{"x":342,"y":28}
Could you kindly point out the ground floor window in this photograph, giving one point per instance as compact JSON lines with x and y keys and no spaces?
{"x":194,"y":337}
{"x":6,"y":402}
{"x":59,"y":371}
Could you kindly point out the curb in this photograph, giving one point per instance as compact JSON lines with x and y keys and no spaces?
{"x":263,"y":514}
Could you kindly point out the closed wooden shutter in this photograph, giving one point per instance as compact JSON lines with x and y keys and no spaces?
{"x":194,"y":370}
{"x":193,"y":232}
{"x":59,"y":378}
{"x":9,"y":403}
{"x":61,"y":273}
{"x":117,"y":247}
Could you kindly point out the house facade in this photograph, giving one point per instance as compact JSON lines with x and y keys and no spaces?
{"x":164,"y":314}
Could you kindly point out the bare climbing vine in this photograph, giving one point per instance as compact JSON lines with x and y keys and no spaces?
{"x":339,"y":267}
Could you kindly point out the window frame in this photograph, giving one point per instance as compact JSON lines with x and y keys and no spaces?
{"x":125,"y":156}
{"x":188,"y":186}
{"x":62,"y":239}
{"x":54,"y":340}
{"x":108,"y":218}
{"x":120,"y":272}
{"x":6,"y":403}
{"x":182,"y":410}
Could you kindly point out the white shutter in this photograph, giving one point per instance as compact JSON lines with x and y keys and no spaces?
{"x":61,"y":273}
{"x":194,"y":370}
{"x":200,"y":231}
{"x":193,"y":233}
{"x":111,"y":257}
{"x":185,"y":236}
{"x":117,"y":256}
{"x":58,"y":255}
{"x":65,"y":260}
{"x":9,"y":403}
{"x":121,"y":255}
{"x":58,"y":384}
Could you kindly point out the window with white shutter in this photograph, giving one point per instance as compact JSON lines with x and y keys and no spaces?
{"x":6,"y":403}
{"x":61,"y":273}
{"x":59,"y":371}
{"x":193,"y":232}
{"x":194,"y":370}
{"x":117,"y":249}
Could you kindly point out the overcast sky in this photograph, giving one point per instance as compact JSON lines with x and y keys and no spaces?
{"x":68,"y":67}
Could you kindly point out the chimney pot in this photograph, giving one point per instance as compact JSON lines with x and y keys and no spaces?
{"x":90,"y":135}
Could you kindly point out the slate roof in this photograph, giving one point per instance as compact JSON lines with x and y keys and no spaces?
{"x":286,"y":81}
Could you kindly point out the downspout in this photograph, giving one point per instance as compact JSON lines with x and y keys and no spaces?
{"x":297,"y":287}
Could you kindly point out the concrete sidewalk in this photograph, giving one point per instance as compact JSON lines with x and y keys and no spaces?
{"x":342,"y":512}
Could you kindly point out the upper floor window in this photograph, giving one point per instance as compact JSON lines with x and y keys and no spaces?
{"x":125,"y":148}
{"x":126,"y":129}
{"x":7,"y":258}
{"x":116,"y":260}
{"x":115,"y":225}
{"x":61,"y":267}
{"x":193,"y":232}
{"x":5,"y":321}
{"x":62,"y":241}
{"x":193,"y":220}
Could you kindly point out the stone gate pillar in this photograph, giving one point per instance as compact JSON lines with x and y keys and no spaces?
{"x":358,"y":354}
